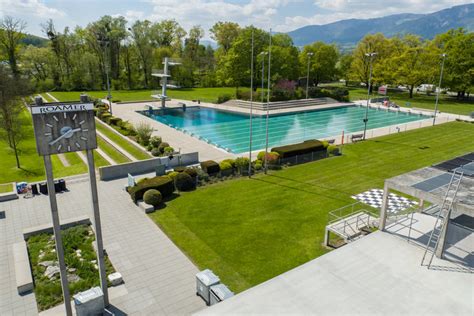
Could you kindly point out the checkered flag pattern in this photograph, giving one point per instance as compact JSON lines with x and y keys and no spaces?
{"x":374,"y":198}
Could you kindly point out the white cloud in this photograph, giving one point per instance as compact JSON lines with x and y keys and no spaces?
{"x":206,"y":12}
{"x":34,"y":8}
{"x":328,"y":11}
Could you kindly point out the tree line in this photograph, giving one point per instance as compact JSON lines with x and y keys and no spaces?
{"x":80,"y":59}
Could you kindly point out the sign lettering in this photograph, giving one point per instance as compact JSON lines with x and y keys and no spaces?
{"x":56,"y":108}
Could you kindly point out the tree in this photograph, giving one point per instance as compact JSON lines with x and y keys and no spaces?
{"x":10,"y":37}
{"x":343,"y":67}
{"x":379,"y":44}
{"x":141,"y":32}
{"x":224,"y":33}
{"x":458,"y":45}
{"x":12,"y":89}
{"x":322,"y":62}
{"x":284,"y":60}
{"x":413,"y":64}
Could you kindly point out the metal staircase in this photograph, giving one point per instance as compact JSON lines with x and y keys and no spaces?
{"x":443,"y":216}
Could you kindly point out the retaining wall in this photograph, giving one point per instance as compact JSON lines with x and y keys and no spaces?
{"x":146,"y":166}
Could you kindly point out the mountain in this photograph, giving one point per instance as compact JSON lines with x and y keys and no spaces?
{"x":347,"y":33}
{"x":34,"y":40}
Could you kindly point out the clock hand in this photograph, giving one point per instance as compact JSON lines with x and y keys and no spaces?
{"x":68,"y":133}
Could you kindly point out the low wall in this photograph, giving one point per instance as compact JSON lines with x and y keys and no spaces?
{"x":282,"y":104}
{"x":8,"y":196}
{"x":146,"y":166}
{"x":48,"y":228}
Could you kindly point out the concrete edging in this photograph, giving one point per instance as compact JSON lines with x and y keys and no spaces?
{"x":23,"y":277}
{"x":48,"y":228}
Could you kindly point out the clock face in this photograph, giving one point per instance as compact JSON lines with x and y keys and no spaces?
{"x":66,"y":131}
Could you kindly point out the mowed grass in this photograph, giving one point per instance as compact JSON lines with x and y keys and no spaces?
{"x":203,"y":94}
{"x":122,"y":142}
{"x":111,"y":151}
{"x":250,"y":230}
{"x":446,"y":103}
{"x":7,"y":187}
{"x":32,"y":166}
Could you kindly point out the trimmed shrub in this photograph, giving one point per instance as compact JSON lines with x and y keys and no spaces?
{"x":325,"y":143}
{"x":202,"y":176}
{"x":230,"y":161}
{"x":105,"y":116}
{"x":179,"y":169}
{"x":192,"y":172}
{"x":155,"y":152}
{"x":223,"y":98}
{"x":126,"y":126}
{"x":162,"y":146}
{"x":142,"y":179}
{"x":153,"y":197}
{"x":117,"y":121}
{"x":258,"y":164}
{"x":163,"y":184}
{"x":168,"y":150}
{"x":261,"y":155}
{"x":184,"y":182}
{"x":172,"y":174}
{"x":210,"y":166}
{"x":333,"y":150}
{"x":155,"y":141}
{"x":224,"y":165}
{"x":299,"y":149}
{"x":242,"y":163}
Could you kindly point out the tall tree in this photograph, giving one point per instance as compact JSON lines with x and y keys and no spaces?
{"x":12,"y":89}
{"x":141,"y":33}
{"x":224,"y":33}
{"x":322,"y":62}
{"x":10,"y":36}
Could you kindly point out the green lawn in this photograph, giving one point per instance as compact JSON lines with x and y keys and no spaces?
{"x":203,"y":94}
{"x":122,"y":142}
{"x":248,"y":231}
{"x":4,"y":188}
{"x":32,"y":167}
{"x":446,"y":103}
{"x":110,"y":150}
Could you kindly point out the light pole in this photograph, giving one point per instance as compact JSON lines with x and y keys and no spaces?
{"x":439,"y":88}
{"x":251,"y":109}
{"x":268,"y":100}
{"x":263,"y":54}
{"x":366,"y":119}
{"x":105,"y":43}
{"x":307,"y":73}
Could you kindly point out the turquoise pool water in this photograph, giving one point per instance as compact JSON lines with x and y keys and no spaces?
{"x":230,"y":130}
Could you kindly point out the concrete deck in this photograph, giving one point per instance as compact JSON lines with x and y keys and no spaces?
{"x":379,"y":274}
{"x":159,"y":278}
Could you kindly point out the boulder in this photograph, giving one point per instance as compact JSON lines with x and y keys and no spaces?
{"x":51,"y":271}
{"x":115,"y":278}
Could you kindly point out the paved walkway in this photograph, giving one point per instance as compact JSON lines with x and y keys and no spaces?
{"x":159,"y":278}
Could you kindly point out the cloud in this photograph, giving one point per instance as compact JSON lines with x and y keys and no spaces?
{"x":328,"y":11}
{"x":207,"y":12}
{"x":34,"y":8}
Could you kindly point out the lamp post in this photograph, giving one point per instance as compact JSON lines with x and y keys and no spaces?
{"x":307,"y":73}
{"x":263,"y":54}
{"x":366,"y":119}
{"x":439,"y":88}
{"x":251,"y":109}
{"x":105,"y":43}
{"x":268,"y":99}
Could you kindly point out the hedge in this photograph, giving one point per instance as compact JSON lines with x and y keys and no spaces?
{"x":163,"y":184}
{"x":210,"y":166}
{"x":184,"y":182}
{"x":305,"y":147}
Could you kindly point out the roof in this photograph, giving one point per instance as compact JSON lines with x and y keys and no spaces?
{"x":377,"y":274}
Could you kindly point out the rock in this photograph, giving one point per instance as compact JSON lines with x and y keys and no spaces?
{"x":47,"y":263}
{"x":71,"y":270}
{"x":71,"y":278}
{"x":51,"y":271}
{"x":41,"y":254}
{"x":93,"y":261}
{"x":96,"y":267}
{"x":53,"y":250}
{"x":81,"y":259}
{"x":115,"y":278}
{"x":90,"y":232}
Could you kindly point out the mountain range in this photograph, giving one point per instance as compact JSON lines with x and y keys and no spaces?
{"x":346,"y":33}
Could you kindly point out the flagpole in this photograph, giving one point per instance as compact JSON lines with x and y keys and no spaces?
{"x":268,"y":101}
{"x":251,"y":108}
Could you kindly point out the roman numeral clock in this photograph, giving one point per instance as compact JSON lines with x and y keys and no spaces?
{"x":63,"y":128}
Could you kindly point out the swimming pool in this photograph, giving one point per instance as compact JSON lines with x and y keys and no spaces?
{"x":230,"y":130}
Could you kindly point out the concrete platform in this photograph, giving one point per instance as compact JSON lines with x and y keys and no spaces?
{"x":379,"y":274}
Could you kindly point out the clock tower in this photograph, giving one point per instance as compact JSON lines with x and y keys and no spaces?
{"x":62,"y":128}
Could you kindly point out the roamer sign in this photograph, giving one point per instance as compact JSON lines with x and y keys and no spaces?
{"x":57,"y":108}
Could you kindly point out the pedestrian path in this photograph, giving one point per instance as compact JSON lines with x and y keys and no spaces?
{"x":159,"y":278}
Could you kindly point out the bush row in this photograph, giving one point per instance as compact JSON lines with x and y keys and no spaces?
{"x":305,"y":147}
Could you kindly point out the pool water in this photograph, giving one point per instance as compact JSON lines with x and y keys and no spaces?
{"x":230,"y":130}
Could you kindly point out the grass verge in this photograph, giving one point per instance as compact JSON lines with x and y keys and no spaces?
{"x":251,"y":230}
{"x":110,"y":150}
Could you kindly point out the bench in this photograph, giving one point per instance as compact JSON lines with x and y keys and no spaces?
{"x":24,"y":280}
{"x":356,"y":137}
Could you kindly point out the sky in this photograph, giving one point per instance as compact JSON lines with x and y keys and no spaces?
{"x":280,"y":15}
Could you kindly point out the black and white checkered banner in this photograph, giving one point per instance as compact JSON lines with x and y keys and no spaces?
{"x":374,"y":198}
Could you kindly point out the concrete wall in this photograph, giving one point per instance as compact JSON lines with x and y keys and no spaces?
{"x":8,"y":196}
{"x":146,"y":166}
